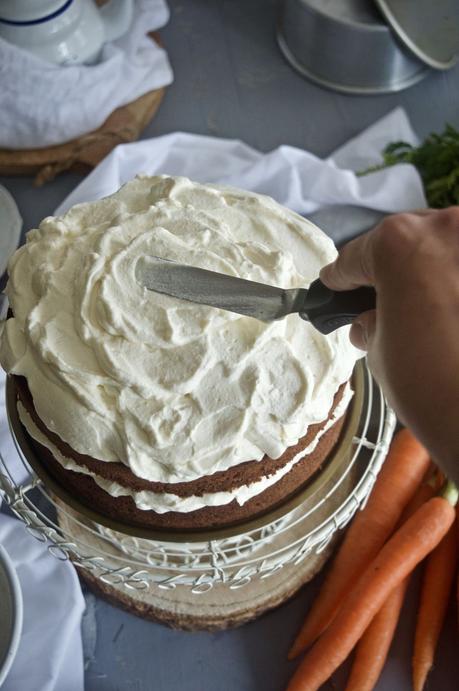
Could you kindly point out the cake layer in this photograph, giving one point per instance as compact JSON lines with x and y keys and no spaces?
{"x":163,"y":502}
{"x":221,"y":481}
{"x":123,"y":508}
{"x":221,"y":489}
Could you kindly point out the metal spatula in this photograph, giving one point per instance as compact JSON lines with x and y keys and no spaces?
{"x":326,"y":309}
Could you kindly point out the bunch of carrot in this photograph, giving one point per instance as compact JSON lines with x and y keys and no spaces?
{"x":403,"y":523}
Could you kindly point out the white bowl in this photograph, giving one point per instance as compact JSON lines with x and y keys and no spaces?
{"x":11,"y":614}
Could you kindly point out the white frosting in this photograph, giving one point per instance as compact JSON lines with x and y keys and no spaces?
{"x":173,"y":390}
{"x":162,"y":502}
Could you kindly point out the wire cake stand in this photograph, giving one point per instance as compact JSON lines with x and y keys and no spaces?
{"x":215,"y":580}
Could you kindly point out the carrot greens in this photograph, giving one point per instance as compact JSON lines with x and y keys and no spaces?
{"x":437,"y":161}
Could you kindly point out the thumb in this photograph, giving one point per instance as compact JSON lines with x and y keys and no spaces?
{"x":363,"y":329}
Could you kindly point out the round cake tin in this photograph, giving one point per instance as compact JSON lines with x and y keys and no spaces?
{"x":346,"y":45}
{"x":11,"y":613}
{"x":335,"y":463}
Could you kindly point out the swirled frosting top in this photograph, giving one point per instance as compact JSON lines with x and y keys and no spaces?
{"x":174,"y":390}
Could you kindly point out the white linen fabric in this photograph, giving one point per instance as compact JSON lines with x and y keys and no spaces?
{"x":293,"y":177}
{"x":50,"y":654}
{"x":51,"y":641}
{"x":44,"y":104}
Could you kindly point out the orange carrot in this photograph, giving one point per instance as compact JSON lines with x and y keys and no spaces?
{"x":401,"y":475}
{"x":457,"y":585}
{"x":409,"y":545}
{"x":435,"y":591}
{"x":373,"y":647}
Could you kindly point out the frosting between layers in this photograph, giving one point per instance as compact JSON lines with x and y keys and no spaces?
{"x":173,"y":390}
{"x":162,"y":502}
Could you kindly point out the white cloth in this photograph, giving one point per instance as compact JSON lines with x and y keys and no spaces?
{"x":293,"y":177}
{"x":50,"y":655}
{"x":51,"y":642}
{"x":42,"y":104}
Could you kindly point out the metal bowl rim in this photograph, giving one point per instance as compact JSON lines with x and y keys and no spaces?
{"x":18,"y":613}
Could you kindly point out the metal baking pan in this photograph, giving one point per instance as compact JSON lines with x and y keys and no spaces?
{"x":347,"y":46}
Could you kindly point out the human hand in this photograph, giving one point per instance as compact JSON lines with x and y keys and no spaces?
{"x":412,"y":337}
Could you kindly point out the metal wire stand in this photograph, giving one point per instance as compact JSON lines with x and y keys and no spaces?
{"x":141,"y":564}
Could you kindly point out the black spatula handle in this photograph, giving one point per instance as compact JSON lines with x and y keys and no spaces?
{"x":329,"y":309}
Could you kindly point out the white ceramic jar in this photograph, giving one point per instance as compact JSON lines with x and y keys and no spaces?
{"x":65,"y":32}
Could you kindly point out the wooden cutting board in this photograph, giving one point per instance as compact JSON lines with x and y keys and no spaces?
{"x":82,"y":154}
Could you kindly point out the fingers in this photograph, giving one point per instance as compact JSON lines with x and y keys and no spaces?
{"x":353,"y":267}
{"x":363,"y":330}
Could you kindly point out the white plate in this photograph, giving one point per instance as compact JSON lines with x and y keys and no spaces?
{"x":10,"y":227}
{"x":10,"y":614}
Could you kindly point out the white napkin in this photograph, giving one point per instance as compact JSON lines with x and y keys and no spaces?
{"x":44,"y":104}
{"x":293,"y":177}
{"x":50,"y":655}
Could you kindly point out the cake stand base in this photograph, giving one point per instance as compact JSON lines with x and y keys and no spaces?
{"x":223,"y":605}
{"x":216,"y":610}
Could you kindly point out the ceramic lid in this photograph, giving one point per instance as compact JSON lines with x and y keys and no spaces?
{"x":428,"y":29}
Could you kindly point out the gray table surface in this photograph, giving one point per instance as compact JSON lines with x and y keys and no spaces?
{"x":231,"y":81}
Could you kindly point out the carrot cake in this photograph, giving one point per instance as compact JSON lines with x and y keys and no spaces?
{"x":153,"y":410}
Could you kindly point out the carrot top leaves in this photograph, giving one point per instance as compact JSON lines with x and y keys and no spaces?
{"x":437,"y":162}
